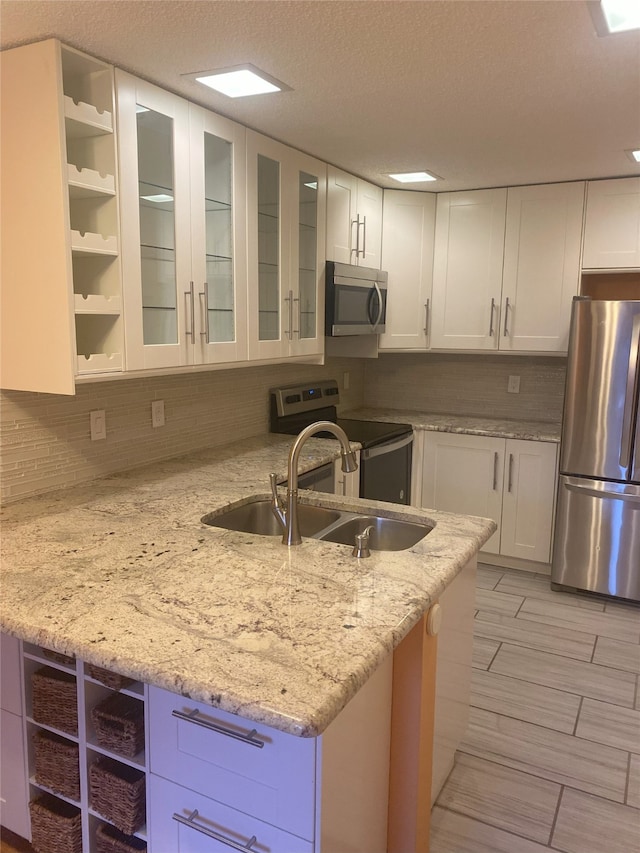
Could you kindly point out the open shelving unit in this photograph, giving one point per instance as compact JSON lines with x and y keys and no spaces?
{"x":88,"y":97}
{"x":89,"y":693}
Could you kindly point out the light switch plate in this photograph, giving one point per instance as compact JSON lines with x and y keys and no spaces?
{"x":98,"y":422}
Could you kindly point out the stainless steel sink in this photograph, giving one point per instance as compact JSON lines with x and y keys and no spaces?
{"x":257,"y":517}
{"x":386,"y":534}
{"x":329,"y":525}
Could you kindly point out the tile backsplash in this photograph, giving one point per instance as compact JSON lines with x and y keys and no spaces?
{"x":45,"y":438}
{"x":458,"y":384}
{"x":46,"y":443}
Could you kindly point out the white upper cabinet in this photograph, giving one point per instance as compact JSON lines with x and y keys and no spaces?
{"x":612,"y":225}
{"x":541,"y":266}
{"x":286,"y":212}
{"x":467,"y":269}
{"x":183,"y":230}
{"x":61,"y":280}
{"x":506,"y":267}
{"x":407,"y":255}
{"x":354,"y":220}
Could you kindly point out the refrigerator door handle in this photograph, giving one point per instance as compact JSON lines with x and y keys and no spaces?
{"x":601,"y":491}
{"x":630,"y":405}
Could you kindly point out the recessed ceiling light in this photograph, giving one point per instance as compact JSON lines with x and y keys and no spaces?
{"x":634,"y":155}
{"x":413,"y":177}
{"x":239,"y":81}
{"x":614,"y":16}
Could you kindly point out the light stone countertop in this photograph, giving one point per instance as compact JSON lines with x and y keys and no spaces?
{"x":122,"y":573}
{"x":468,"y":424}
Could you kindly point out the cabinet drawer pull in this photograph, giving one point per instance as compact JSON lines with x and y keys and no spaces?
{"x":495,"y":470}
{"x":192,"y":717}
{"x":191,"y":823}
{"x":426,"y":318}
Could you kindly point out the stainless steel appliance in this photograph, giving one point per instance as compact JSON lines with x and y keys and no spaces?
{"x":355,"y":300}
{"x":385,"y":458}
{"x":597,"y":534}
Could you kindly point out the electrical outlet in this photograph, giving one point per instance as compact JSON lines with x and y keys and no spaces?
{"x":157,"y":413}
{"x":98,"y":423}
{"x":345,"y":380}
{"x":513,"y":386}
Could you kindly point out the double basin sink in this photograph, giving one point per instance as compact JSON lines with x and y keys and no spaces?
{"x":329,"y":525}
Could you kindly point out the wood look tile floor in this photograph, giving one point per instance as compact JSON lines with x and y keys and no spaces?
{"x":551,"y":759}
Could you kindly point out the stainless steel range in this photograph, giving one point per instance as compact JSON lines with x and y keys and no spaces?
{"x":385,"y":458}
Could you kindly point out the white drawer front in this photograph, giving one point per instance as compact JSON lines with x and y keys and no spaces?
{"x":275,"y":783}
{"x":230,"y":829}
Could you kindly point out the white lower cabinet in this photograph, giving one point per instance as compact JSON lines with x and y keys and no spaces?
{"x":187,"y":822}
{"x":250,"y":768}
{"x":14,"y":797}
{"x":511,"y":481}
{"x":218,"y":780}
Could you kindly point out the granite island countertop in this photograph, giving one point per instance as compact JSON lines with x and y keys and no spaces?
{"x":121,"y":572}
{"x":467,"y":424}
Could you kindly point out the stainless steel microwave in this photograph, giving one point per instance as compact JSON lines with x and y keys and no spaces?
{"x":355,"y":300}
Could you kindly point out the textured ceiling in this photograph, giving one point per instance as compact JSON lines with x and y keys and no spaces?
{"x":481,"y":93}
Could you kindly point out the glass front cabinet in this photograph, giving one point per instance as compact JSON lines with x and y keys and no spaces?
{"x":286,"y":214}
{"x":183,"y":219}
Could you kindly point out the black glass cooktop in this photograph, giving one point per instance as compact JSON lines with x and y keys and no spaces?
{"x":370,"y":433}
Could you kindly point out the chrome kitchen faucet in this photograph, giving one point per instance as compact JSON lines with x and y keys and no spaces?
{"x":288,"y":516}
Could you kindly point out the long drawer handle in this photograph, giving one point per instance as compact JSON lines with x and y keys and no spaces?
{"x":192,"y":717}
{"x":495,"y":471}
{"x":190,"y":822}
{"x":510,"y":484}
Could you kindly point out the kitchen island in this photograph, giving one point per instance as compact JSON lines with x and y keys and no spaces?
{"x":122,"y":574}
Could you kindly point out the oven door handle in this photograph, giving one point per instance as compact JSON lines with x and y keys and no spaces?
{"x":387,"y":447}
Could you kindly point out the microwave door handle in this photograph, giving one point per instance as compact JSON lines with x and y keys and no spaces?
{"x":631,"y":394}
{"x":380,"y":306}
{"x":369,"y":312}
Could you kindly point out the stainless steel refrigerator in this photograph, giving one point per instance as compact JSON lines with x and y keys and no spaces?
{"x":597,"y":533}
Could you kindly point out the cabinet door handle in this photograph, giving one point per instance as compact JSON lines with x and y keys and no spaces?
{"x":426,"y":318}
{"x":510,"y":484}
{"x":295,"y":299}
{"x":229,"y":842}
{"x":289,"y":299}
{"x":495,"y":471}
{"x":506,"y":317}
{"x":364,"y":236}
{"x":356,"y":222}
{"x":205,"y":293}
{"x":493,"y":305}
{"x":191,"y":310}
{"x":192,"y":717}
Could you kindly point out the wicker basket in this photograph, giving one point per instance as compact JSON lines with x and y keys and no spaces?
{"x":117,"y":792}
{"x":119,"y":724}
{"x":56,"y":826}
{"x":54,"y":699}
{"x":56,"y":764}
{"x":58,"y":657}
{"x":111,"y":840}
{"x":110,"y":679}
